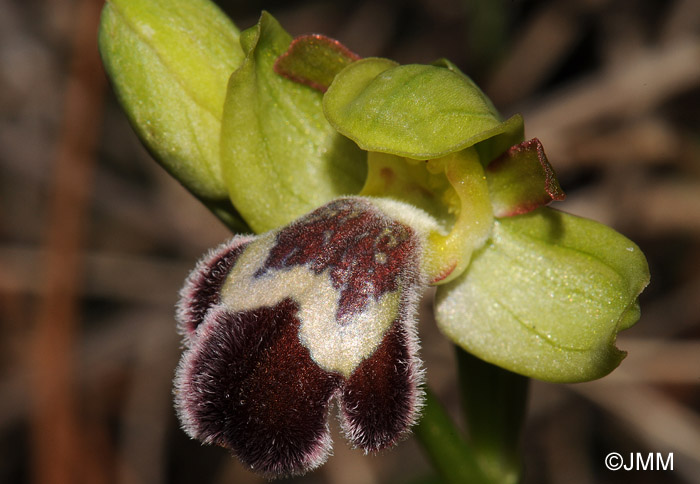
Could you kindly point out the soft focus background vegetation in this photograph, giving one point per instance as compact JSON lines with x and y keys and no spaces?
{"x":95,"y":239}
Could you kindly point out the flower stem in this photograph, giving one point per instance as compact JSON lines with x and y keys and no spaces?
{"x":452,"y":457}
{"x":494,"y":402}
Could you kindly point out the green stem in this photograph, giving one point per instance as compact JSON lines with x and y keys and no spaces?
{"x":452,"y":457}
{"x":494,"y":402}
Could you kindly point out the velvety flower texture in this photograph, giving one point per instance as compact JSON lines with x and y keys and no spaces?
{"x":277,"y":325}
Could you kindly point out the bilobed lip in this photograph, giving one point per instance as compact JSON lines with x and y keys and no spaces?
{"x":303,"y":314}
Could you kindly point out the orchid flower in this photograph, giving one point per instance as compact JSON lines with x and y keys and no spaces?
{"x":363,"y":182}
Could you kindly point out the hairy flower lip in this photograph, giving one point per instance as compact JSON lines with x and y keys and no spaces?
{"x":200,"y":291}
{"x":225,"y":397}
{"x":254,"y":380}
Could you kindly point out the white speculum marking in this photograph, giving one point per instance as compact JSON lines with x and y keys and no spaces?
{"x":333,"y":345}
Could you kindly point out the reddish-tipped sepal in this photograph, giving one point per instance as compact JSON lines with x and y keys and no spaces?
{"x":324,"y":307}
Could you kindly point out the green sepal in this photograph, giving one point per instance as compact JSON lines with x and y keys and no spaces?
{"x":521,"y":180}
{"x":546,"y":297}
{"x":281,"y":158}
{"x":416,"y":111}
{"x":448,"y":64}
{"x":314,"y":60}
{"x":169,"y":63}
{"x":496,"y":140}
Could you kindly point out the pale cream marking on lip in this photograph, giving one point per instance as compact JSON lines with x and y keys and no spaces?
{"x":334,"y":345}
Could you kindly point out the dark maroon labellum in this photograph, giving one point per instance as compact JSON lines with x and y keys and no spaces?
{"x":279,"y":324}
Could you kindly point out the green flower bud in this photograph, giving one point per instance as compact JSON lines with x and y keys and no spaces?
{"x":169,"y":63}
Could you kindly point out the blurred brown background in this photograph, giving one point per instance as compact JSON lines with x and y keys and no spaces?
{"x":96,"y":239}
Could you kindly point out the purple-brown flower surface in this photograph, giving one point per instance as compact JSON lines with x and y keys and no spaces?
{"x":276,"y":326}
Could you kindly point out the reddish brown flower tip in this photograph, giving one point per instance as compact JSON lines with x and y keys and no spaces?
{"x":522,"y":180}
{"x":314,"y":60}
{"x":322,"y":308}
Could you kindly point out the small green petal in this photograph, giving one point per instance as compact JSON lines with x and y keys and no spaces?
{"x":169,"y":63}
{"x":416,"y":111}
{"x":314,"y":60}
{"x":280,"y":157}
{"x":546,"y":297}
{"x":521,"y":180}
